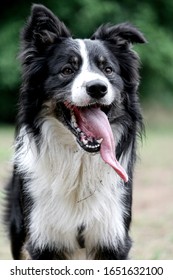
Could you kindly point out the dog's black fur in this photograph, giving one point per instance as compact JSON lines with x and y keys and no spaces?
{"x":43,"y":39}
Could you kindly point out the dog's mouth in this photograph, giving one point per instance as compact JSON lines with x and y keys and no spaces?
{"x":81,"y":127}
{"x":93,"y":132}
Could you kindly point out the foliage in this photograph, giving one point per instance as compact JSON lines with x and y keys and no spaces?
{"x":153,"y":18}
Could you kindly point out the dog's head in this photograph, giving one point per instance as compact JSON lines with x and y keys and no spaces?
{"x":86,"y":82}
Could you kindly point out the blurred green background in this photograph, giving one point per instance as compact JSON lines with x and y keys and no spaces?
{"x":154,"y":18}
{"x":152,"y":228}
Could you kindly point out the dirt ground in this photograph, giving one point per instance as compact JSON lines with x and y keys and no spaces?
{"x":152,"y":226}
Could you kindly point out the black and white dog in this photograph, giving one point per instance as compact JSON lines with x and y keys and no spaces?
{"x":70,"y":194}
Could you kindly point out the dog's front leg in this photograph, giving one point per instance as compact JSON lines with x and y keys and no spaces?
{"x":45,"y":254}
{"x":110,"y":253}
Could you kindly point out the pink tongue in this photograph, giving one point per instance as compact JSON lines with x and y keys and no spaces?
{"x":94,"y":122}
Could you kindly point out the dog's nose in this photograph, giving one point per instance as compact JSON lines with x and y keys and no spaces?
{"x":96,"y":89}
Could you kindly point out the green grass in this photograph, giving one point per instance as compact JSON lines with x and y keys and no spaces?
{"x":6,"y":140}
{"x":6,"y":150}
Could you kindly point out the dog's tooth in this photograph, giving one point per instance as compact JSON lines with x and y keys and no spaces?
{"x":75,"y":125}
{"x":96,"y":146}
{"x":73,"y":119}
{"x":78,"y":129}
{"x":85,"y":141}
{"x":100,"y":140}
{"x":82,"y":134}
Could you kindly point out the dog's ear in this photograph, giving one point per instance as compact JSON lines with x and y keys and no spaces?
{"x":121,"y":34}
{"x":43,"y":27}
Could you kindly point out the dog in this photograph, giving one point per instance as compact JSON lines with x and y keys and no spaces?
{"x":79,"y":117}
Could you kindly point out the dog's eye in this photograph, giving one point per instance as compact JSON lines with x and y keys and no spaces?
{"x":66,"y":71}
{"x":108,"y":70}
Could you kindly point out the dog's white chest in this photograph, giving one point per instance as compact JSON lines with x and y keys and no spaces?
{"x":70,"y":189}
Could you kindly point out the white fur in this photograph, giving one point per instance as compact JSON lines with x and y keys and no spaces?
{"x":79,"y":94}
{"x":70,"y":188}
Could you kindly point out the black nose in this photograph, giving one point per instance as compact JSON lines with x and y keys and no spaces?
{"x":96,"y":89}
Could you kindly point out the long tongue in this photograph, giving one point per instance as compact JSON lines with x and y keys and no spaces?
{"x":94,"y":122}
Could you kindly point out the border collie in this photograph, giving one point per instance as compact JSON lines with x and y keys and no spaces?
{"x":70,"y":194}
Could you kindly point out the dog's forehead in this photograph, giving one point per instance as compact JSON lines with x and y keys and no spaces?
{"x":83,"y":48}
{"x":92,"y":48}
